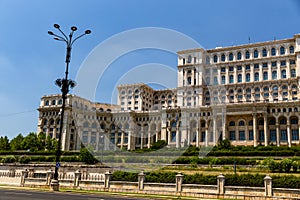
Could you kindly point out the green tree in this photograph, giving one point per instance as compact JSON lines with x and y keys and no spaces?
{"x":16,"y":143}
{"x":30,"y":142}
{"x":86,"y":156}
{"x":4,"y":143}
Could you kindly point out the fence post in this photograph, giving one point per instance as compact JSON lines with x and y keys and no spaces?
{"x":12,"y":172}
{"x":268,"y":186}
{"x":141,"y":179}
{"x":50,"y":174}
{"x":107,"y":177}
{"x":221,"y":183}
{"x":179,"y":180}
{"x":77,"y":178}
{"x":23,"y":176}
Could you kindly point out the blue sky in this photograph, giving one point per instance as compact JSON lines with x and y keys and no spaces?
{"x":30,"y":60}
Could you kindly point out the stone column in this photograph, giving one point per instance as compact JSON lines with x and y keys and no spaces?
{"x":254,"y":129}
{"x":197,"y":134}
{"x":266,"y":129}
{"x":179,"y":180}
{"x":221,"y":183}
{"x":77,"y":178}
{"x":23,"y":177}
{"x":268,"y":186}
{"x":141,"y":180}
{"x":215,"y":131}
{"x":277,"y":134}
{"x":289,"y":137}
{"x":206,"y":136}
{"x":50,"y":174}
{"x":107,"y":177}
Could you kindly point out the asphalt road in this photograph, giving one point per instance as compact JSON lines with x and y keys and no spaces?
{"x":13,"y":194}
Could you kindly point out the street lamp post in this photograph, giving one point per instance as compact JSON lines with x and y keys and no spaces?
{"x":64,"y":84}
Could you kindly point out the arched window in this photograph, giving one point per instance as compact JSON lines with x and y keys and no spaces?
{"x":257,"y":89}
{"x":231,"y":56}
{"x":264,"y":52}
{"x":189,"y":59}
{"x":85,"y":124}
{"x":272,"y":121}
{"x":241,"y":123}
{"x":282,"y":121}
{"x":294,"y":86}
{"x":239,"y":78}
{"x":232,"y":123}
{"x":265,"y":76}
{"x":255,"y":53}
{"x":284,"y":87}
{"x":250,"y":123}
{"x":274,"y":75}
{"x":223,"y":57}
{"x":256,"y":76}
{"x":223,"y":79}
{"x":136,"y":91}
{"x":53,"y":102}
{"x":47,"y":103}
{"x":266,"y":89}
{"x":215,"y":58}
{"x":292,"y":50}
{"x":273,"y":51}
{"x":248,"y":90}
{"x":239,"y":56}
{"x":283,"y":73}
{"x":261,"y":122}
{"x":207,"y":60}
{"x":247,"y":77}
{"x":247,"y":55}
{"x":282,"y":50}
{"x":293,"y":73}
{"x":60,"y":102}
{"x":216,"y":80}
{"x":294,"y":121}
{"x":231,"y":79}
{"x":275,"y":88}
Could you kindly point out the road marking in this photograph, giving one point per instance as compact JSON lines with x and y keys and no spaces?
{"x":18,"y":193}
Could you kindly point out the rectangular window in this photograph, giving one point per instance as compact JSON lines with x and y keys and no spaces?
{"x":202,"y":136}
{"x":250,"y":135}
{"x":232,"y":135}
{"x":223,"y":69}
{"x":295,"y":134}
{"x":173,"y":136}
{"x":239,"y":68}
{"x":247,"y":67}
{"x":261,"y":136}
{"x":292,"y":62}
{"x":231,"y":69}
{"x":272,"y":135}
{"x":274,"y":64}
{"x":283,"y":135}
{"x":256,"y":66}
{"x":282,"y":63}
{"x":242,"y":135}
{"x":265,"y":65}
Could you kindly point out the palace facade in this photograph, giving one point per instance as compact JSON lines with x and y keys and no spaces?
{"x":248,"y":94}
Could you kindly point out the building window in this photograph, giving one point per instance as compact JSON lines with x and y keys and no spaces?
{"x":256,"y":76}
{"x":255,"y":53}
{"x":207,"y":60}
{"x":239,"y":78}
{"x":223,"y":69}
{"x":256,"y":66}
{"x":264,"y":53}
{"x":231,"y":123}
{"x":292,"y":62}
{"x":239,"y":56}
{"x":215,"y":58}
{"x":189,"y":59}
{"x":241,"y":135}
{"x":247,"y":67}
{"x":173,"y":136}
{"x":248,"y":77}
{"x":216,"y":80}
{"x":261,"y":135}
{"x":283,"y":73}
{"x":231,"y":56}
{"x":202,"y":136}
{"x":295,"y":134}
{"x":223,"y":57}
{"x":47,"y":103}
{"x":273,"y":135}
{"x":265,"y":65}
{"x":241,"y":123}
{"x":231,"y":69}
{"x":283,"y":135}
{"x":232,"y":135}
{"x":274,"y":64}
{"x":265,"y":76}
{"x":292,"y":50}
{"x":250,"y":135}
{"x":283,"y":63}
{"x":273,"y":52}
{"x":282,"y":50}
{"x":231,"y":79}
{"x":223,"y":79}
{"x":247,"y":55}
{"x":293,"y":73}
{"x":274,"y":75}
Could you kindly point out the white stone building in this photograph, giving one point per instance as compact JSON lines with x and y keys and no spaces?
{"x":248,"y":94}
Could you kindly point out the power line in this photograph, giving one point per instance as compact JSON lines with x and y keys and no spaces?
{"x":17,"y":113}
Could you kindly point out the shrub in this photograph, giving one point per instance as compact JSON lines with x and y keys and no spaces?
{"x":124,"y":176}
{"x":24,"y":159}
{"x":9,"y":159}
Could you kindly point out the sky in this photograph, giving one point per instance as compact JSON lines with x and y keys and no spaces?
{"x":30,"y":60}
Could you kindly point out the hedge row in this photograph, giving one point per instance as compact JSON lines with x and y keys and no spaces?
{"x":24,"y":159}
{"x":20,"y":153}
{"x":252,"y":180}
{"x":215,"y":161}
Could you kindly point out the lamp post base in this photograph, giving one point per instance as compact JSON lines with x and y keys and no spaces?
{"x":54,"y":186}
